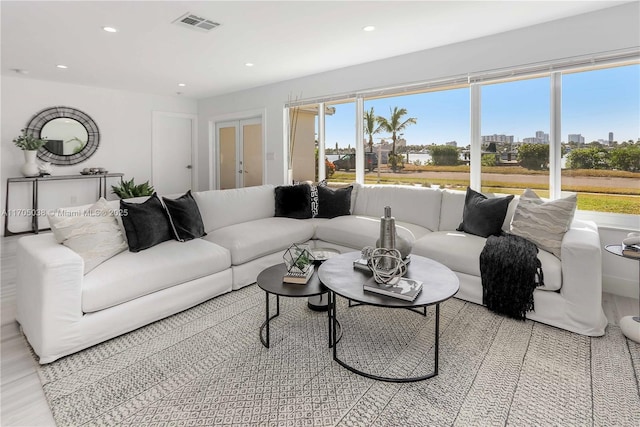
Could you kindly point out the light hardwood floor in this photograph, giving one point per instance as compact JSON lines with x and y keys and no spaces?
{"x":22,"y":399}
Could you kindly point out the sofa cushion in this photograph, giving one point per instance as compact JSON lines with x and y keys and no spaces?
{"x":543,"y":223}
{"x":254,"y":239}
{"x":483,"y":216}
{"x":461,"y":253}
{"x":293,"y":201}
{"x":93,"y":233}
{"x":131,"y":275}
{"x":358,"y":231}
{"x":333,"y":202}
{"x":220,"y":208}
{"x":146,"y":224}
{"x":416,"y":205}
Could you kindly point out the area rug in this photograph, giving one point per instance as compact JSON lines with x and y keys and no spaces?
{"x":206,"y":366}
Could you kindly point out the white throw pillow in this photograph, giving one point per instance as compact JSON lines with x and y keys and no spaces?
{"x":93,"y":233}
{"x":543,"y":223}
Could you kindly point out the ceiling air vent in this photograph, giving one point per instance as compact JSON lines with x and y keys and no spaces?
{"x":196,"y":22}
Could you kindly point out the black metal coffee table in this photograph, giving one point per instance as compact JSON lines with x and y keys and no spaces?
{"x":339,"y":275}
{"x":270,"y":281}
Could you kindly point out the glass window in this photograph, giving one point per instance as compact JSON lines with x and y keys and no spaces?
{"x":600,"y":130}
{"x":418,"y":139}
{"x":515,"y":136}
{"x":340,"y":142}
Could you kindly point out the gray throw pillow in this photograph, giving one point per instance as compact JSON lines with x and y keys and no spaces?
{"x":94,"y":233}
{"x":543,"y":222}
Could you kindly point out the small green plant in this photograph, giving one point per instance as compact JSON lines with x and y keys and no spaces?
{"x":302,"y":259}
{"x":28,"y":142}
{"x":128,"y":189}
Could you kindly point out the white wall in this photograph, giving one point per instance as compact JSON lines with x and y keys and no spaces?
{"x":605,"y":30}
{"x":124,"y":120}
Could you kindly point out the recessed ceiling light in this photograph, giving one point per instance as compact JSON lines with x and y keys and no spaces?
{"x":182,"y":84}
{"x":110,"y":29}
{"x":369,"y":28}
{"x":249,"y":64}
{"x":61,"y":66}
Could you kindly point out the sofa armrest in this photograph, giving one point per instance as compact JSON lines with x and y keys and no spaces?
{"x":49,"y":294}
{"x":582,"y":274}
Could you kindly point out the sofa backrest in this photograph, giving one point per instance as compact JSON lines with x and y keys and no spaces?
{"x":416,"y":205}
{"x":221,"y":208}
{"x":453,"y":206}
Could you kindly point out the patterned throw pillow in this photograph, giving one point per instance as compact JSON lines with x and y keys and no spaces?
{"x":543,"y":223}
{"x":94,"y":233}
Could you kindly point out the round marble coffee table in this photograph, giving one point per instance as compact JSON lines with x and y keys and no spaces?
{"x":439,"y":284}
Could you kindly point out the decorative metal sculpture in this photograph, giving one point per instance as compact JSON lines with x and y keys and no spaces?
{"x":385,"y":261}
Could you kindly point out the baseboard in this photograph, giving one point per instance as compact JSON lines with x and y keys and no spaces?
{"x":620,"y":286}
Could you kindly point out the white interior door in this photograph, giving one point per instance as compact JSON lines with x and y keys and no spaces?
{"x":173,"y":143}
{"x":240,"y":159}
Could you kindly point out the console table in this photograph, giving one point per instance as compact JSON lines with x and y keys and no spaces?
{"x":35,"y":182}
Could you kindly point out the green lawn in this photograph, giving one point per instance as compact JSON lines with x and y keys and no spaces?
{"x":601,"y":199}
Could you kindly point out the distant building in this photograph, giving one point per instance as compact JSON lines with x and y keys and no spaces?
{"x":576,"y":137}
{"x":542,"y":137}
{"x":497,"y":138}
{"x":530,"y":141}
{"x":451,"y":144}
{"x":610,"y":137}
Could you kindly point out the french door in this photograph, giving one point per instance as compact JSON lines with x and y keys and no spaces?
{"x":240,"y":159}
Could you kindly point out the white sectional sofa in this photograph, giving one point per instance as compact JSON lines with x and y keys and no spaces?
{"x":62,"y":311}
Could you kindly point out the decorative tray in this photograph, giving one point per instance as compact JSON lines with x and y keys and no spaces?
{"x":323,"y":254}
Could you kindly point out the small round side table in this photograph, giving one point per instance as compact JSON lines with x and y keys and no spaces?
{"x":630,"y":325}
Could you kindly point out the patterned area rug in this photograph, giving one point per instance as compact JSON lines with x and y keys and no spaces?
{"x":206,"y":366}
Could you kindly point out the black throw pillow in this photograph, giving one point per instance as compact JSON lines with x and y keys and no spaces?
{"x":333,"y":203}
{"x":483,"y":216}
{"x":185,"y":217}
{"x":293,"y":201}
{"x":146,"y":224}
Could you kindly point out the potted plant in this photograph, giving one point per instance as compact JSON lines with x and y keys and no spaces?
{"x":128,"y":189}
{"x":29,"y":144}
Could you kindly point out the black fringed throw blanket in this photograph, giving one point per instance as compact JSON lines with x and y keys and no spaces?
{"x":509,"y":267}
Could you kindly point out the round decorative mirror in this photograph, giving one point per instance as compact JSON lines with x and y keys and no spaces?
{"x":72,"y":136}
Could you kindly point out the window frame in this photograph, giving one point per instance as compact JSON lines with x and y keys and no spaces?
{"x":554,"y":70}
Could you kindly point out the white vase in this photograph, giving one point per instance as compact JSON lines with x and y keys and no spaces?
{"x":30,"y":167}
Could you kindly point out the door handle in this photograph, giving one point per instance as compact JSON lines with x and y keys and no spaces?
{"x":189,"y":166}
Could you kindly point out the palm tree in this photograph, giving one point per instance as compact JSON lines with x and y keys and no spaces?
{"x":370,"y":127}
{"x":395,"y":124}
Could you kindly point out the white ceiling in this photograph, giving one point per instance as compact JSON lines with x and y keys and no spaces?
{"x":284,"y":40}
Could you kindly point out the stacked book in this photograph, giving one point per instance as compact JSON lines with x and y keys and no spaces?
{"x":631,"y":251}
{"x":406,"y":289}
{"x":299,"y":277}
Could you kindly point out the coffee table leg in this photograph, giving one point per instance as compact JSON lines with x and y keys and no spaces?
{"x":265,"y":324}
{"x":437,"y":339}
{"x":332,"y":309}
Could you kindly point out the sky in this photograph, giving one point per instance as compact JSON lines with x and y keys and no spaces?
{"x":594,"y":103}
